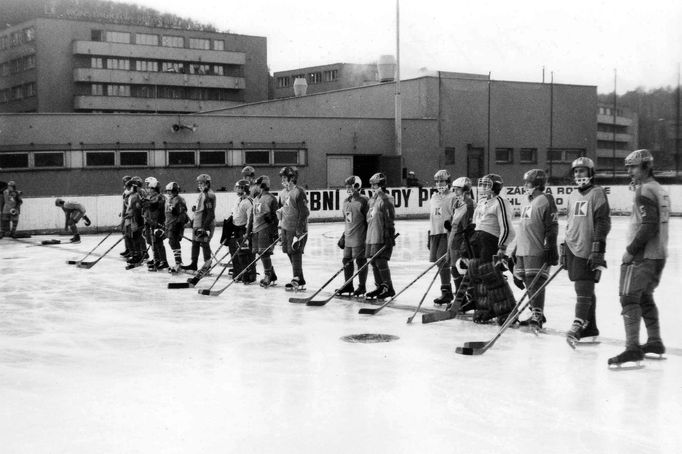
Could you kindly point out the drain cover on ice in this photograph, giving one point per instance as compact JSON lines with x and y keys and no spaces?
{"x":369,"y":338}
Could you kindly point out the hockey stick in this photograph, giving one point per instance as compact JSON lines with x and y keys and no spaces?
{"x":478,"y":348}
{"x":208,"y":291}
{"x":376,"y":310}
{"x":89,"y":265}
{"x":428,"y":289}
{"x":307,"y":300}
{"x":312,"y":302}
{"x":192,"y":281}
{"x":76,"y":262}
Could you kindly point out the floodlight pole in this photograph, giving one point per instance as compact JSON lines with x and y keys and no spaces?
{"x":398,"y":107}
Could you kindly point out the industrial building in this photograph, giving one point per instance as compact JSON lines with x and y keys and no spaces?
{"x":319,"y":79}
{"x":50,"y":64}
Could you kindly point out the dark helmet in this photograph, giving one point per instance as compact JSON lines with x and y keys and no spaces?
{"x":204,"y":178}
{"x":263,"y":182}
{"x":289,"y":172}
{"x":536,"y":177}
{"x":173,"y":187}
{"x":378,"y":179}
{"x":248,"y":171}
{"x":59,"y":202}
{"x":242,"y":186}
{"x":126,"y":179}
{"x":491,"y":182}
{"x":135,"y":181}
{"x":354,"y":181}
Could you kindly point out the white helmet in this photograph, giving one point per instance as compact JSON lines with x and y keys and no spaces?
{"x":151,"y":182}
{"x":442,"y":180}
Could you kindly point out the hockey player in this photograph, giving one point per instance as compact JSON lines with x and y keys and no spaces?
{"x":442,"y":207}
{"x":644,"y":259}
{"x":154,"y":212}
{"x":126,"y":193}
{"x":294,"y":222}
{"x":355,"y":208}
{"x":249,"y":174}
{"x":262,"y":228}
{"x":492,"y":235}
{"x":176,"y":218}
{"x":10,"y":208}
{"x":380,"y":233}
{"x":460,"y":226}
{"x":203,"y":224}
{"x":536,"y":241}
{"x":589,"y":222}
{"x":239,"y":244}
{"x":133,"y":223}
{"x":73,"y":212}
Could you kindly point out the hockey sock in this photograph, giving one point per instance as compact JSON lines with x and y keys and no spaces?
{"x":592,"y":316}
{"x":195,"y":252}
{"x":584,"y":291}
{"x":73,"y":229}
{"x":538,"y":301}
{"x":632,"y":316}
{"x":650,"y":316}
{"x":297,"y":265}
{"x":384,"y":272}
{"x":206,"y":248}
{"x":177,"y":255}
{"x":444,"y":272}
{"x":348,"y":268}
{"x":362,"y":275}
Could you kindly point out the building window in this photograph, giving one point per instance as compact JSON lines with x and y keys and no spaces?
{"x":218,"y":70}
{"x":29,"y":62}
{"x":212,"y":157}
{"x":565,"y":155}
{"x":528,"y":155}
{"x":50,"y":159}
{"x":218,"y":44}
{"x":17,"y":93}
{"x":97,"y":89}
{"x":146,"y":39}
{"x":283,"y":82}
{"x":284,"y":157}
{"x":200,"y":43}
{"x":118,"y":63}
{"x":255,"y":157}
{"x":144,"y":91}
{"x":14,"y":160}
{"x":148,"y":66}
{"x":331,"y":76}
{"x":173,"y":41}
{"x":4,"y":42}
{"x":315,"y":78}
{"x":172,"y":92}
{"x":118,"y":90}
{"x":118,"y":37}
{"x":4,"y":69}
{"x":29,"y":90}
{"x":97,"y":62}
{"x":449,"y":156}
{"x":29,"y":34}
{"x":181,"y":158}
{"x":172,"y":67}
{"x":504,"y":155}
{"x":96,"y":35}
{"x":100,"y":159}
{"x":133,"y":158}
{"x":196,"y":68}
{"x":4,"y":96}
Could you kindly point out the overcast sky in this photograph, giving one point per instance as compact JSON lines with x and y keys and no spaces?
{"x":580,"y":41}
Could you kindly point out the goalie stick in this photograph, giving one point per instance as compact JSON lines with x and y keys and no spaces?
{"x":475,"y":348}
{"x":428,"y":289}
{"x":89,"y":265}
{"x":209,"y":291}
{"x":76,"y":262}
{"x":312,"y":302}
{"x":375,"y":310}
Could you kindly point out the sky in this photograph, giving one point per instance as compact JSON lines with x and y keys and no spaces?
{"x":585,"y":42}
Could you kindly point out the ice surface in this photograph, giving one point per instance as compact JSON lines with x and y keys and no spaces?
{"x":110,"y":361}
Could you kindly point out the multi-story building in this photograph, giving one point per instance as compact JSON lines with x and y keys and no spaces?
{"x":325,"y":78}
{"x":617,"y":135}
{"x":57,"y":65}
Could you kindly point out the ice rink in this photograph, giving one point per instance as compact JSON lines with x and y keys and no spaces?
{"x":104,"y":360}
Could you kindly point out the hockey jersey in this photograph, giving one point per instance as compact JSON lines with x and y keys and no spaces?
{"x":355,"y":210}
{"x":263,"y":213}
{"x":380,"y":218}
{"x":441,"y":208}
{"x":589,"y":220}
{"x":493,"y":216}
{"x":204,"y":215}
{"x":539,"y":225}
{"x":648,"y":230}
{"x":295,"y":210}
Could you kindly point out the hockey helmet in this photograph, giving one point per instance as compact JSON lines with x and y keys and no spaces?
{"x":135,"y":181}
{"x":248,"y":171}
{"x":204,"y":178}
{"x":12,"y":183}
{"x":126,"y":179}
{"x":59,"y":202}
{"x":641,"y":157}
{"x":242,"y":186}
{"x":173,"y":187}
{"x":353,"y":183}
{"x":583,"y":162}
{"x":442,"y":180}
{"x":378,"y":179}
{"x":291,"y":173}
{"x":490,"y":184}
{"x":534,"y":178}
{"x":263,"y":182}
{"x":151,"y":183}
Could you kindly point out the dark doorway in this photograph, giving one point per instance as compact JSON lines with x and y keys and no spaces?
{"x":474,"y":163}
{"x":365,"y":166}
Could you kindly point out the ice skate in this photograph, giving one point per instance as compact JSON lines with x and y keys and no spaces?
{"x":386,"y":292}
{"x":269,"y":280}
{"x":296,"y":285}
{"x":573,"y":334}
{"x":134,"y":261}
{"x":360,"y":291}
{"x":535,"y":321}
{"x":151,"y":265}
{"x":446,"y":296}
{"x":373,"y":294}
{"x":346,"y":290}
{"x":162,"y":265}
{"x":192,"y":267}
{"x":625,"y":359}
{"x":75,"y":239}
{"x":654,"y":348}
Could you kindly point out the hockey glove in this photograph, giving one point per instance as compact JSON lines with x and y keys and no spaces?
{"x":596,"y":259}
{"x":342,"y":242}
{"x":448,"y":225}
{"x":158,"y":233}
{"x":551,"y":255}
{"x":389,"y":238}
{"x":194,"y":208}
{"x":87,"y":221}
{"x":13,"y":212}
{"x":563,"y":260}
{"x":295,"y":243}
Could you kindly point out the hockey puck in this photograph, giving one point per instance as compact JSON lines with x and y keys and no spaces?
{"x":369,"y":338}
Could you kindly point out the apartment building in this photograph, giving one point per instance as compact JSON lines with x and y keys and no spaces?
{"x":617,"y":135}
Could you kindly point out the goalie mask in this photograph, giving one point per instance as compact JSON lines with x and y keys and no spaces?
{"x":442,"y":181}
{"x":583,"y":171}
{"x":489,"y":185}
{"x":353,"y":183}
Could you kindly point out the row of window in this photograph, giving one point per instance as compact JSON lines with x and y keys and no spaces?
{"x":149,"y":39}
{"x":17,"y":38}
{"x":140,"y":158}
{"x":311,"y":78}
{"x":17,"y":65}
{"x":160,"y":91}
{"x":153,"y":66}
{"x":505,"y":155}
{"x":17,"y":93}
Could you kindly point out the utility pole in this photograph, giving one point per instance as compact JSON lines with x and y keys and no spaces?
{"x":615,"y":102}
{"x":398,"y":107}
{"x":677,"y":126}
